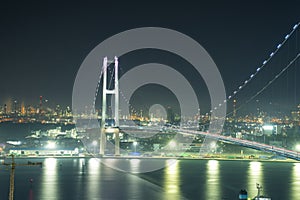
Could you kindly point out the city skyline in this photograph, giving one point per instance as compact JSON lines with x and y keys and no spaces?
{"x":21,"y":109}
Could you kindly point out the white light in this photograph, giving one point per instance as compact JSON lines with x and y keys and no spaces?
{"x":246,"y":81}
{"x":94,"y":163}
{"x":95,"y":142}
{"x":272,"y":54}
{"x":225,"y":101}
{"x":50,"y":163}
{"x":135,"y":162}
{"x":14,"y":142}
{"x":213,"y":145}
{"x":297,"y":147}
{"x":258,"y":69}
{"x":135,"y":143}
{"x":268,"y":127}
{"x":240,"y":87}
{"x":264,"y":62}
{"x":110,"y":130}
{"x":255,"y":166}
{"x":287,"y":36}
{"x":234,"y":92}
{"x":252,"y":75}
{"x":51,"y":145}
{"x":229,"y":97}
{"x":295,"y":26}
{"x":172,"y":144}
{"x":278,"y":46}
{"x":213,"y":165}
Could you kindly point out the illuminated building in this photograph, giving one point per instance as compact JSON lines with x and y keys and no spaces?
{"x":296,"y":114}
{"x":23,"y":110}
{"x":5,"y":109}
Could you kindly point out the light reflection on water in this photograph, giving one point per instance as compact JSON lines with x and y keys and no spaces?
{"x":93,"y":185}
{"x":135,"y":165}
{"x":49,"y":187}
{"x":212,"y":180}
{"x":89,"y":179}
{"x":295,"y":181}
{"x":255,"y":175}
{"x":172,"y":180}
{"x":82,"y":165}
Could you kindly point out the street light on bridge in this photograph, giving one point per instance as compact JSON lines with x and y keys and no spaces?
{"x":297,"y":147}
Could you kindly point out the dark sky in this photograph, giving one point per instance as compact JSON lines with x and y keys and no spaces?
{"x":42,"y":44}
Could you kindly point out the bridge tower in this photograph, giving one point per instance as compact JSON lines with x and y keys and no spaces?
{"x":115,"y":92}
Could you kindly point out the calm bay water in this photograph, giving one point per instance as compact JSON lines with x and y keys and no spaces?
{"x":77,"y":178}
{"x":88,"y":179}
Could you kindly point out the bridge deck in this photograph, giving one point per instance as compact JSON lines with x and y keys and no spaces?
{"x":247,"y":143}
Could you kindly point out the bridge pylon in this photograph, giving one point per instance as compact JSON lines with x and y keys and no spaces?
{"x":106,"y":92}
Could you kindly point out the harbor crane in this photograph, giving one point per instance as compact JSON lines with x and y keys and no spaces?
{"x":13,"y":165}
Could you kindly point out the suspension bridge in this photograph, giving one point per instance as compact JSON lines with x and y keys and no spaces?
{"x":210,"y":136}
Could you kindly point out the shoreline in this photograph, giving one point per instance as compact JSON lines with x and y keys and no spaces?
{"x":154,"y":158}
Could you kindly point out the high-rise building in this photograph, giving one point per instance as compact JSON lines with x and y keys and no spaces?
{"x":296,"y":114}
{"x":40,"y":104}
{"x":23,"y":109}
{"x":15,"y":106}
{"x":5,"y":109}
{"x":170,"y":115}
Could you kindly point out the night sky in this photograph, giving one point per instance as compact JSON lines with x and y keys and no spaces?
{"x":42,"y":45}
